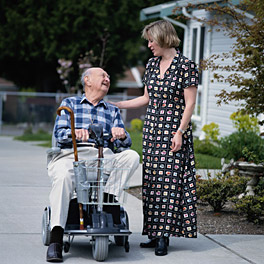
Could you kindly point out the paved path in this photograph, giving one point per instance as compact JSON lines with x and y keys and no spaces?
{"x":24,"y":189}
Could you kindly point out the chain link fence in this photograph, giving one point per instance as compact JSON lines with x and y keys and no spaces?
{"x":21,"y":110}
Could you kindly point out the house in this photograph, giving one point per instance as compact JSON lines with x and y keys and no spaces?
{"x":131,"y":86}
{"x":6,"y":85}
{"x":201,"y":41}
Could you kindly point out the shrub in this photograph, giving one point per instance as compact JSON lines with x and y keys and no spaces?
{"x":251,"y":156}
{"x":206,"y":147}
{"x":244,"y":123}
{"x":217,"y":191}
{"x":253,"y":206}
{"x":136,"y":124}
{"x":211,"y":131}
{"x":234,"y":144}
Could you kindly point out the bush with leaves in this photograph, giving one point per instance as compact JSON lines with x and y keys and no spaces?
{"x":244,"y":123}
{"x":239,"y":144}
{"x":211,"y":131}
{"x":218,"y":190}
{"x":206,"y":147}
{"x":209,"y":145}
{"x":253,"y":157}
{"x":136,"y":124}
{"x":253,"y":206}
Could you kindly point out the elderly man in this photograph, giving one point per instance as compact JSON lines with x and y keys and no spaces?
{"x":88,"y":109}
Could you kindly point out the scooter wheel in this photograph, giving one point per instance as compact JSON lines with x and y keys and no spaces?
{"x":127,"y":246}
{"x":46,"y":227}
{"x":100,"y":247}
{"x":66,"y":247}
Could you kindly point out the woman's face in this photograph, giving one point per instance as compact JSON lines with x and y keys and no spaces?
{"x":154,"y":47}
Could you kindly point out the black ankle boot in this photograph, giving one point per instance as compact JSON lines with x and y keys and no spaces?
{"x":161,"y":246}
{"x":56,"y":235}
{"x":151,"y":243}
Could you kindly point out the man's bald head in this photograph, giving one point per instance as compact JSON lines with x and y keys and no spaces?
{"x":89,"y":72}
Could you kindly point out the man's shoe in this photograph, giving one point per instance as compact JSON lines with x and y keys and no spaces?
{"x":151,"y":243}
{"x":161,"y":247}
{"x":54,"y":253}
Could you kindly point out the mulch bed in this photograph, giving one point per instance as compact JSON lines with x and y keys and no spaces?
{"x":227,"y":221}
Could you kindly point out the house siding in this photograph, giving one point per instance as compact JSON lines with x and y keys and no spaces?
{"x":218,"y":114}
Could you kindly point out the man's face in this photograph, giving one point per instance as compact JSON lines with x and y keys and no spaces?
{"x":99,"y":80}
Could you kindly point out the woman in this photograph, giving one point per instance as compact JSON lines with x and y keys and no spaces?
{"x":169,"y":197}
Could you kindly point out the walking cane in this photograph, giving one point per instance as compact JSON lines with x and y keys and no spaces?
{"x":75,"y":152}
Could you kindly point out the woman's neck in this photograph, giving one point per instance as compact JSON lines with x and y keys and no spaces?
{"x":168,"y":54}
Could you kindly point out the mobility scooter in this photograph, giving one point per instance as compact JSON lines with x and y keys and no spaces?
{"x":94,"y":213}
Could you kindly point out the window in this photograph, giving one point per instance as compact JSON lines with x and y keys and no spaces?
{"x":201,"y":53}
{"x":197,"y":54}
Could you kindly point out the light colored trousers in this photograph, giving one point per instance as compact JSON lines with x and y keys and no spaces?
{"x":60,"y":170}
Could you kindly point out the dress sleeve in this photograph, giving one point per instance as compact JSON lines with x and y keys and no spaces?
{"x":190,"y":74}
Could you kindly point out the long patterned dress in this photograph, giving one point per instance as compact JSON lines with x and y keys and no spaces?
{"x":169,"y":186}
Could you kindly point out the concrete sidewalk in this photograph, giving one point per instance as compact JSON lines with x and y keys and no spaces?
{"x":24,"y":190}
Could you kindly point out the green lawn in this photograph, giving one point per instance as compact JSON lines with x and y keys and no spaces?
{"x":204,"y":161}
{"x":38,"y":136}
{"x":34,"y":137}
{"x":136,"y":138}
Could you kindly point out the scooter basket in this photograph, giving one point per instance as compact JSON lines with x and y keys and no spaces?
{"x":98,"y":181}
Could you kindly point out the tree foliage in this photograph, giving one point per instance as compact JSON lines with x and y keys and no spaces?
{"x":36,"y":34}
{"x":247,"y":72}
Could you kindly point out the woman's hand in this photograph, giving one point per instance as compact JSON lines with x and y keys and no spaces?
{"x":176,"y":141}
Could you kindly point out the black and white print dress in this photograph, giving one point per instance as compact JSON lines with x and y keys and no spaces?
{"x":169,"y":186}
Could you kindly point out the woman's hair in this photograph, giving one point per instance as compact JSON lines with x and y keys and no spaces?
{"x":163,"y":33}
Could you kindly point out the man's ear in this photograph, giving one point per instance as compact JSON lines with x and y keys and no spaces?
{"x":87,"y":80}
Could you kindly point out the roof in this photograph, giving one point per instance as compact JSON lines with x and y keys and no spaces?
{"x":132,"y":78}
{"x":6,"y":85}
{"x":166,"y":9}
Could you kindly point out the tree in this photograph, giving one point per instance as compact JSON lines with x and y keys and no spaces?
{"x":35,"y":35}
{"x":247,"y":73}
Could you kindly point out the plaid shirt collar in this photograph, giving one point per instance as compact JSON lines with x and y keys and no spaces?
{"x":101,"y":102}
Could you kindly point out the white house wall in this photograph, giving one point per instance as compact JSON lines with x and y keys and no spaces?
{"x":219,"y":114}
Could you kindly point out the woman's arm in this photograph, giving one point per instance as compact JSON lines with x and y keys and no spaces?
{"x":133,"y":103}
{"x":190,"y":99}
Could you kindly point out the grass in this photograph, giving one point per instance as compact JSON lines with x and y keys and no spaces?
{"x":38,"y":136}
{"x":45,"y":144}
{"x":203,"y":161}
{"x":136,"y":138}
{"x":34,"y":137}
